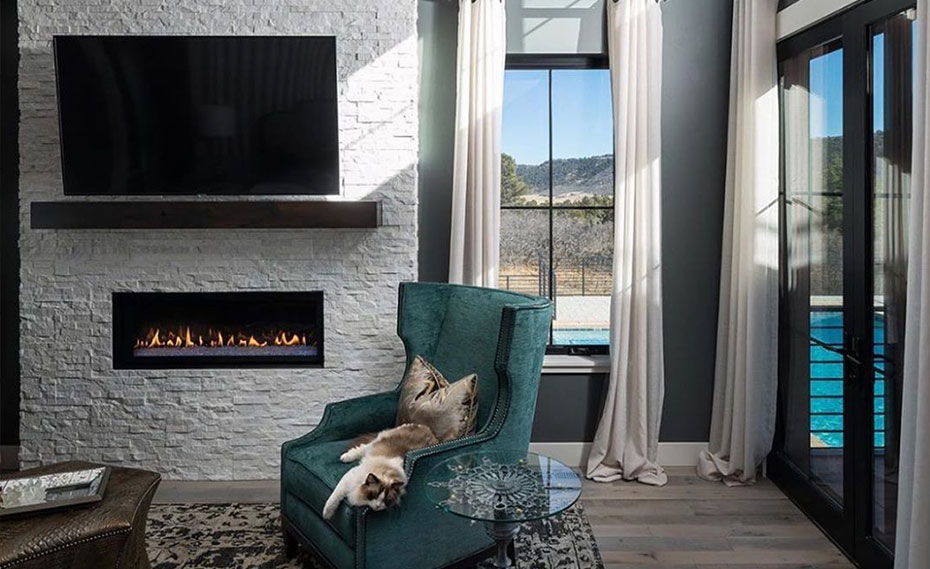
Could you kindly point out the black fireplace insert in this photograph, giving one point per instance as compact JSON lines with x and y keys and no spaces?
{"x":155,"y":330}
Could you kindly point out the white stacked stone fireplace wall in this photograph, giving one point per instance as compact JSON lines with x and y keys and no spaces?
{"x":215,"y":423}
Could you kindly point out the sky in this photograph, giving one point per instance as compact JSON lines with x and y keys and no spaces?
{"x":878,"y":82}
{"x":582,"y":115}
{"x":827,"y":86}
{"x":582,"y":123}
{"x":826,"y":89}
{"x":878,"y":76}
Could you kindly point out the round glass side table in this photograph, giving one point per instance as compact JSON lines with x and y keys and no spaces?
{"x":502,"y":489}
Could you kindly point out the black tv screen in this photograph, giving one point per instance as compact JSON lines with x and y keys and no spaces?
{"x":197,"y":115}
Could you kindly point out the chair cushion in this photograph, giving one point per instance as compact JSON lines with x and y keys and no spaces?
{"x":310,"y":472}
{"x":427,"y":398}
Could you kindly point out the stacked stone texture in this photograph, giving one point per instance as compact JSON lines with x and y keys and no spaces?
{"x":215,"y":423}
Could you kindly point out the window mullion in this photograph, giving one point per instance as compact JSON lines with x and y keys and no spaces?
{"x":551,"y":219}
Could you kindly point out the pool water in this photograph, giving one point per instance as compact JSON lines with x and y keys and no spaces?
{"x":580,"y":336}
{"x":826,"y":373}
{"x":826,"y":380}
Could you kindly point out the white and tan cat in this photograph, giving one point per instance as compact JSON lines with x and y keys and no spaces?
{"x":378,"y":481}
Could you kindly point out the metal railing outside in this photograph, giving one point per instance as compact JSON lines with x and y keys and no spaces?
{"x":584,"y":279}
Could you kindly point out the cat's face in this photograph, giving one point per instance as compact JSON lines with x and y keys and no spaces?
{"x":381,"y":492}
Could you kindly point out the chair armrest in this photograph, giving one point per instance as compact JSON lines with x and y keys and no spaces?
{"x":351,"y":417}
{"x":432,"y":455}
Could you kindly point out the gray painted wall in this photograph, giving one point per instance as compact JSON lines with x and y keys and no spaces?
{"x":694,"y":98}
{"x":437,"y":24}
{"x":568,"y":407}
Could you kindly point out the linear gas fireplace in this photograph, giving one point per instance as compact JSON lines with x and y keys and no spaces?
{"x":206,"y":330}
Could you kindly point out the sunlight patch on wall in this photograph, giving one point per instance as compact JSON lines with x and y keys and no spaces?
{"x":556,"y":26}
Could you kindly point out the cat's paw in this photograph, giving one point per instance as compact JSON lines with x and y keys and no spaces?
{"x":352,"y":454}
{"x":329,"y":509}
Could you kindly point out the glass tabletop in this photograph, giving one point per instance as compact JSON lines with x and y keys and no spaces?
{"x":503,"y":487}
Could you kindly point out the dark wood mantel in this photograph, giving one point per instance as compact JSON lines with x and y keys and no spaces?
{"x":205,"y":214}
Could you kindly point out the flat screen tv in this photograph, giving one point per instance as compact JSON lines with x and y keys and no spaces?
{"x":197,"y":115}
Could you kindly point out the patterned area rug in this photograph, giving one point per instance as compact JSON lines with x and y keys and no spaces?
{"x":248,"y":536}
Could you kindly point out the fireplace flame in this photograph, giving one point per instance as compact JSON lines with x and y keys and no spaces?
{"x":183,"y":338}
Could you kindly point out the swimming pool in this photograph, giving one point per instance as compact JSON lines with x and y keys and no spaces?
{"x":580,"y":336}
{"x":826,"y":381}
{"x":826,"y":374}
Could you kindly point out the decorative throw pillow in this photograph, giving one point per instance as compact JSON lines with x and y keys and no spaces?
{"x":427,"y":398}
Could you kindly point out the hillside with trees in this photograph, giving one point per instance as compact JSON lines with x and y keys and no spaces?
{"x":592,"y":175}
{"x":582,"y":239}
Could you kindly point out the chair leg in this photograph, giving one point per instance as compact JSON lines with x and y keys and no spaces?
{"x":290,"y":545}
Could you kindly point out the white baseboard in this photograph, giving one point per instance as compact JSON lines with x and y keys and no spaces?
{"x":575,"y":454}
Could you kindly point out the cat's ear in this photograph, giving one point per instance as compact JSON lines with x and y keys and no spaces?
{"x":372,"y":479}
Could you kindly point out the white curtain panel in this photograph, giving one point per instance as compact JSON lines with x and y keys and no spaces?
{"x":912,"y":545}
{"x":746,"y":373}
{"x":627,"y":439}
{"x":475,"y":240}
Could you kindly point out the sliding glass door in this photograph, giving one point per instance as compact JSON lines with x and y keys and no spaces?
{"x":892,"y":84}
{"x":846,"y":89}
{"x":813,"y":303}
{"x":816,"y":361}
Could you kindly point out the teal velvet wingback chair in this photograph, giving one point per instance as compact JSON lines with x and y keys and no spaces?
{"x":499,"y":335}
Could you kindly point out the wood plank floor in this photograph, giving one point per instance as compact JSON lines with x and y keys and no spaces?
{"x":695,"y":524}
{"x":688,"y":524}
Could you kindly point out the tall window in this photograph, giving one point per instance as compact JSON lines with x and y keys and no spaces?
{"x":557,"y":194}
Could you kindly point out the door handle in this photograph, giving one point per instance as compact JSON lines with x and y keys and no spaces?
{"x":846,"y":355}
{"x":855,"y":343}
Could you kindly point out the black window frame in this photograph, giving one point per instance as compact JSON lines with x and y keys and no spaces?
{"x":555,"y":62}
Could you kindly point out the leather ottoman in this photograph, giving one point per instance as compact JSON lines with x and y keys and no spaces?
{"x":104,"y":535}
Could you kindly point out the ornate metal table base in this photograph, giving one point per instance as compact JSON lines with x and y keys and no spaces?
{"x":502,"y":533}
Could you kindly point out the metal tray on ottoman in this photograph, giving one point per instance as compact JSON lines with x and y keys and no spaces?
{"x":59,"y":490}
